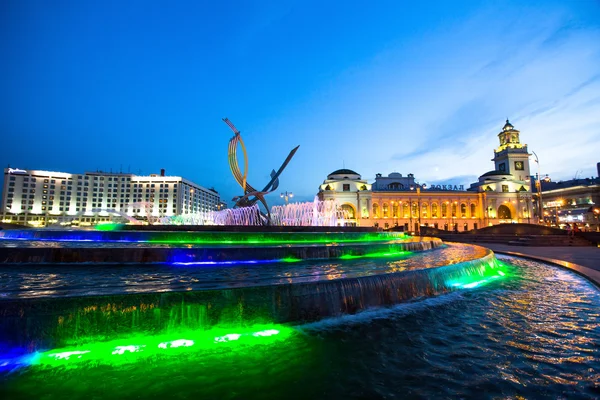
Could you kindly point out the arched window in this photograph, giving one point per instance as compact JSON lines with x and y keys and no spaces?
{"x":415,"y":210}
{"x":453,"y":209}
{"x":434,"y":210}
{"x":394,"y":210}
{"x":405,"y":210}
{"x":375,"y":210}
{"x":463,"y":210}
{"x":424,"y":210}
{"x":504,"y":212}
{"x":444,"y":210}
{"x":348,"y":211}
{"x":473,"y":210}
{"x":385,"y":210}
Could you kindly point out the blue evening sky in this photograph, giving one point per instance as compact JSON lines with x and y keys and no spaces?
{"x":421,"y":87}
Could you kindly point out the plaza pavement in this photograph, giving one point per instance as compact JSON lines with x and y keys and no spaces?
{"x":586,"y":259}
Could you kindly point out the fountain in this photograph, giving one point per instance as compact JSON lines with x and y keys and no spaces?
{"x":221,"y":292}
{"x":315,"y":213}
{"x":218,"y":271}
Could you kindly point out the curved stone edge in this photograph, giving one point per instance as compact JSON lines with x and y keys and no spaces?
{"x":588,"y":273}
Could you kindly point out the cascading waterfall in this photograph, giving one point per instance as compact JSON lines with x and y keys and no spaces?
{"x":61,"y":321}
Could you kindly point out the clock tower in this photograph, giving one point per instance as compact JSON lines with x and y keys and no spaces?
{"x":511,"y":157}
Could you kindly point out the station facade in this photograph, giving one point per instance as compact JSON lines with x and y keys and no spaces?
{"x":503,"y":195}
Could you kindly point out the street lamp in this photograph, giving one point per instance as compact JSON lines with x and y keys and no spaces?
{"x":558,"y":204}
{"x":539,"y":187}
{"x":287,"y":196}
{"x":419,"y":207}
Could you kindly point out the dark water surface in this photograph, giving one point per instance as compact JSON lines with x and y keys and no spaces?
{"x":535,"y":334}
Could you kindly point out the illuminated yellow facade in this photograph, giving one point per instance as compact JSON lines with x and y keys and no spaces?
{"x":500,"y":196}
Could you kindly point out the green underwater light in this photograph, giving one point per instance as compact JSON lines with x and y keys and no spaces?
{"x":486,"y":273}
{"x":109,"y":227}
{"x":249,"y":239}
{"x":381,"y":254}
{"x":137,"y":348}
{"x":290,"y":259}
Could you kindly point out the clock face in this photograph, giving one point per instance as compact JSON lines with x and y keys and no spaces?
{"x":519,"y":165}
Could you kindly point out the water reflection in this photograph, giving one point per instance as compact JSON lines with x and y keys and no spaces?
{"x":24,"y":281}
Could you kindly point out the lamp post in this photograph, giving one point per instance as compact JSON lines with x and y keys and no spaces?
{"x":286,"y":196}
{"x":539,"y":188}
{"x":419,"y":206}
{"x":525,"y":197}
{"x":447,"y":203}
{"x":558,"y":204}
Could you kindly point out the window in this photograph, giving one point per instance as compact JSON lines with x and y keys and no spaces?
{"x":376,"y":210}
{"x":463,"y":210}
{"x":434,"y":210}
{"x":405,"y":210}
{"x":473,"y":210}
{"x":502,"y":167}
{"x":505,"y":188}
{"x":346,"y":187}
{"x":385,"y":210}
{"x":445,"y":211}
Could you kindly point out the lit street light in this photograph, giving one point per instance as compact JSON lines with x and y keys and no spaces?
{"x":287,"y":196}
{"x":539,"y":187}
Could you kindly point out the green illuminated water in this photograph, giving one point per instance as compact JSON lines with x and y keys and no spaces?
{"x":530,"y":334}
{"x":275,"y":242}
{"x":140,"y":348}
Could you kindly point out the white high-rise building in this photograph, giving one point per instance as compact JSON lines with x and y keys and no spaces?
{"x":41,"y":198}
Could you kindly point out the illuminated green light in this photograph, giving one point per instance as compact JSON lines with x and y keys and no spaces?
{"x":290,"y":259}
{"x":268,"y":332}
{"x":118,"y":352}
{"x":484,"y":273}
{"x":227,"y":338}
{"x":176,"y":343}
{"x":131,"y":349}
{"x":65,"y":355}
{"x":374,"y":255}
{"x":325,"y":239}
{"x":108,"y":227}
{"x":474,"y":284}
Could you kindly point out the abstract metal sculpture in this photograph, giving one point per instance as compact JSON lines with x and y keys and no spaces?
{"x":251,"y":196}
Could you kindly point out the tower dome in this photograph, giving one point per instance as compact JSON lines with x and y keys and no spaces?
{"x":508,"y":126}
